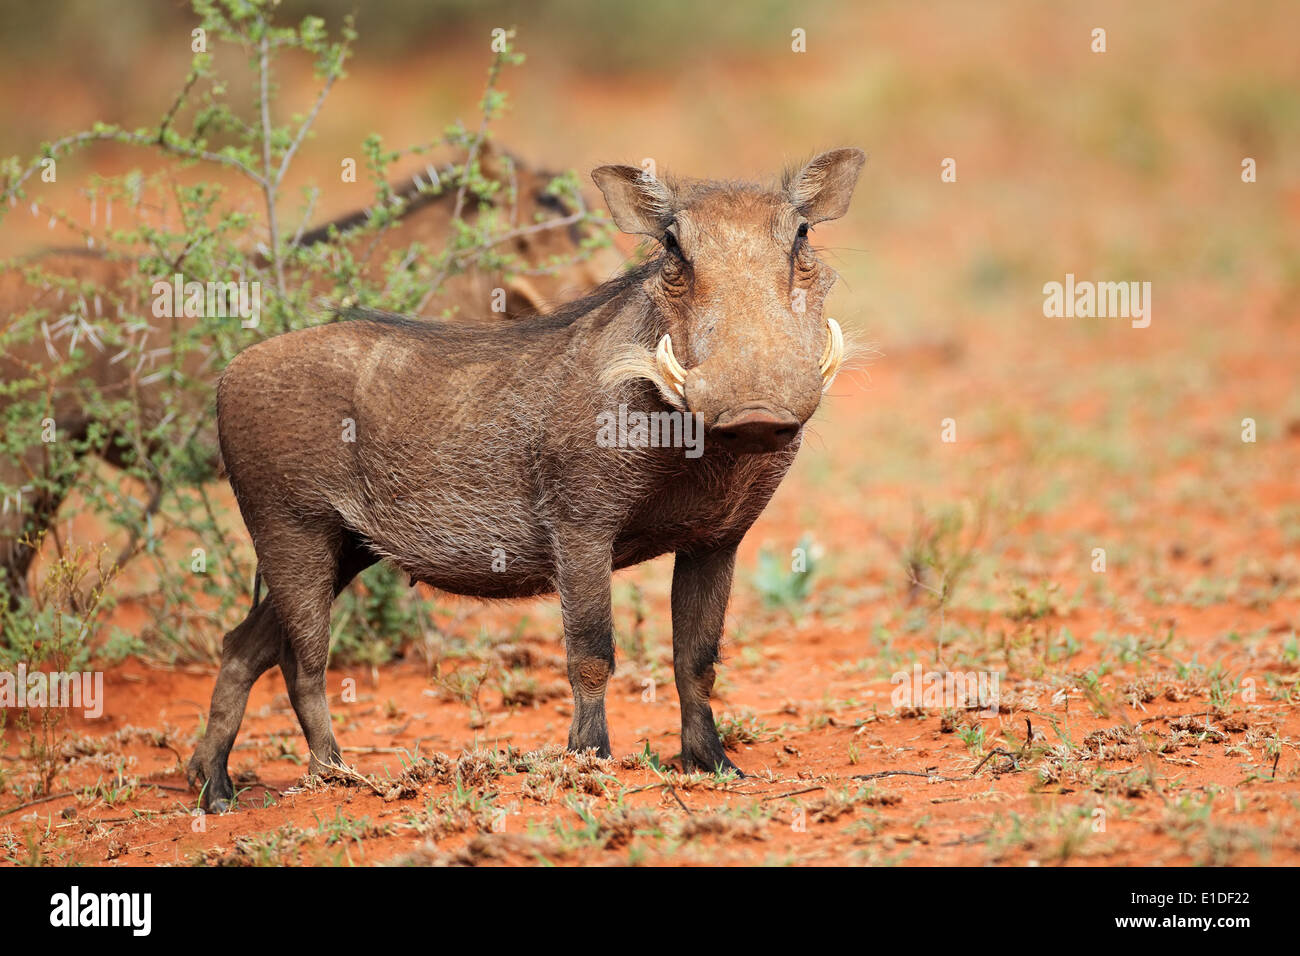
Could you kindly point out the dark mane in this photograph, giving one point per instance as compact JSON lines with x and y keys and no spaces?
{"x":475,"y":328}
{"x":606,"y":292}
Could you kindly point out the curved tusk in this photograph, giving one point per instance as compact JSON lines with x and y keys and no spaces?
{"x":833,"y":354}
{"x":669,"y":367}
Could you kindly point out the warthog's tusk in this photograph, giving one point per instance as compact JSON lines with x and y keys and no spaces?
{"x":832,"y":357}
{"x":833,"y":354}
{"x":669,"y":367}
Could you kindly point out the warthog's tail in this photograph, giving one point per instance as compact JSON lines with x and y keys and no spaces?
{"x":257,"y":585}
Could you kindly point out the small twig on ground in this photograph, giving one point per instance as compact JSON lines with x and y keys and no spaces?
{"x":907,"y":773}
{"x":32,"y":803}
{"x":995,"y":752}
{"x":892,"y":773}
{"x":792,"y":793}
{"x":673,"y":791}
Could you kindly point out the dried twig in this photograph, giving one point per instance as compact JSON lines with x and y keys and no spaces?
{"x":792,"y":793}
{"x":32,"y":803}
{"x":673,"y":791}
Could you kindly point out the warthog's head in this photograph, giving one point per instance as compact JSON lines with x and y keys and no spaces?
{"x":747,"y":344}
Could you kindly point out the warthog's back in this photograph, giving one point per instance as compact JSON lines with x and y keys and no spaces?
{"x":422,"y":444}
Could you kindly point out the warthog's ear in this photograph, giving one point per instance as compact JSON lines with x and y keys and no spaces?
{"x":639,"y":203}
{"x":822,"y":189}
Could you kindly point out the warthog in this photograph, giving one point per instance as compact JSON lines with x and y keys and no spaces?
{"x":540,"y":231}
{"x":468,"y":456}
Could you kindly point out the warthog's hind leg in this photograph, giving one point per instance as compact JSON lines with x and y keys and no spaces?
{"x":246,"y":654}
{"x":316,"y":581}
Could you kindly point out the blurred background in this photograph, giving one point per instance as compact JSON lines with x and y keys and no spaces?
{"x":1123,"y":165}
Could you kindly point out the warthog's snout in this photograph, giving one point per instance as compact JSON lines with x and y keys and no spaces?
{"x":755,"y":429}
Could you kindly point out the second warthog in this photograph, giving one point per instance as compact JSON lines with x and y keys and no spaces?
{"x":473,"y":457}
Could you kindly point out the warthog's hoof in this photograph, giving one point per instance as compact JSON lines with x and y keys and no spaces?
{"x":590,"y":735}
{"x":216,"y":791}
{"x":712,"y":763}
{"x":702,"y":750}
{"x":601,"y":750}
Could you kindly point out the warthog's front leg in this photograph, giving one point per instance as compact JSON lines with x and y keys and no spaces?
{"x":584,"y":569}
{"x":701,"y":586}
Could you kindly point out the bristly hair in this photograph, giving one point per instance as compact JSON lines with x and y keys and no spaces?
{"x":790,"y":176}
{"x":416,"y":194}
{"x":562,"y":317}
{"x":605,"y":293}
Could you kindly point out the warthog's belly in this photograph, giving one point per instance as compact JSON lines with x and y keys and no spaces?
{"x":479,"y":565}
{"x":496,"y":585}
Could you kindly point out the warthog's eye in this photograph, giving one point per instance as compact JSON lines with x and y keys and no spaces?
{"x":671,"y":246}
{"x":675,"y":272}
{"x":803,"y":262}
{"x":801,"y":238}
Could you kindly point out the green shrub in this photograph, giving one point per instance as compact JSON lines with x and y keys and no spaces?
{"x":159,"y":501}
